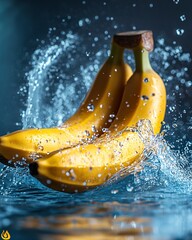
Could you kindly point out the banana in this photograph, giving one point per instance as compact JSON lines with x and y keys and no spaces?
{"x":95,"y":113}
{"x":86,"y":166}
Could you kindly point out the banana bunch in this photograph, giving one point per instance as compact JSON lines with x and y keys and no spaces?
{"x":95,"y":114}
{"x":89,"y":165}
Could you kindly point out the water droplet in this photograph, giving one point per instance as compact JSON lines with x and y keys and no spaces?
{"x":101,"y":105}
{"x":114,"y":191}
{"x":90,"y":107}
{"x":151,"y":5}
{"x":176,"y":1}
{"x":40,"y":147}
{"x":134,"y":5}
{"x":80,"y":23}
{"x":188,"y":83}
{"x":48,"y":181}
{"x":112,"y":115}
{"x":115,"y":69}
{"x":146,"y":80}
{"x":109,"y":94}
{"x":163,"y":123}
{"x":87,"y":133}
{"x":145,"y":98}
{"x":172,"y":108}
{"x":183,"y":17}
{"x":105,"y":130}
{"x":87,"y":54}
{"x":99,"y":175}
{"x":180,"y":31}
{"x":93,"y":128}
{"x":129,"y":188}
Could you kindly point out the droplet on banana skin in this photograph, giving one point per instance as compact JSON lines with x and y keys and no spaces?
{"x":87,"y":133}
{"x":93,"y":128}
{"x":112,"y":115}
{"x":145,"y":80}
{"x":90,"y":107}
{"x":144,"y":97}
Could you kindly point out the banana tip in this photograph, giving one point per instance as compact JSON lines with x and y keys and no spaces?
{"x":33,"y":168}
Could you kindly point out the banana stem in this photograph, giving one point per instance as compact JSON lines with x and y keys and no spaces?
{"x":142,"y":59}
{"x":116,"y":54}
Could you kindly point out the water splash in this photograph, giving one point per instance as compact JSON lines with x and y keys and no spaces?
{"x":55,"y":85}
{"x":61,"y":72}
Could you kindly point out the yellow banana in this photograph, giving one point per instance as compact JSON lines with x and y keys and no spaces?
{"x":95,"y":113}
{"x":86,"y":166}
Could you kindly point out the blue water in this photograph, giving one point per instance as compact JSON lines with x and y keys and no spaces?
{"x":152,"y":203}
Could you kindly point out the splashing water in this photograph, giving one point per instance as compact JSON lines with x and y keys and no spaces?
{"x":60,"y":73}
{"x":57,"y":84}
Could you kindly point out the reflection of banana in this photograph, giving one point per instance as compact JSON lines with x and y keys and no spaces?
{"x":86,"y":166}
{"x":96,"y":112}
{"x":100,"y":228}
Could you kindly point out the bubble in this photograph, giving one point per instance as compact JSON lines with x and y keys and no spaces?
{"x":176,"y":1}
